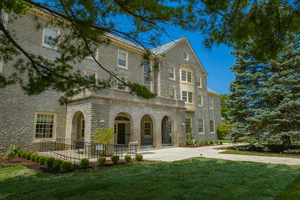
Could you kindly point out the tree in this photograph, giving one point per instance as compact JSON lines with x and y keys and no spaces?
{"x":88,"y":22}
{"x":264,"y":103}
{"x":224,"y":106}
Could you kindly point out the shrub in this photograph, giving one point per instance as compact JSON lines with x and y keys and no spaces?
{"x":49,"y":162}
{"x":19,"y":153}
{"x":101,"y":161}
{"x":28,"y":156}
{"x":128,"y":158}
{"x":42,"y":160}
{"x":224,"y":130}
{"x":24,"y":154}
{"x":189,"y":142}
{"x":57,"y":163}
{"x":211,"y":142}
{"x":115,"y":159}
{"x":32,"y":157}
{"x":66,"y":166}
{"x":138,"y":157}
{"x":84,"y":163}
{"x":37,"y":158}
{"x":221,"y":142}
{"x":11,"y":152}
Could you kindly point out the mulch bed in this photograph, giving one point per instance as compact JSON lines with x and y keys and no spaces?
{"x":202,"y":145}
{"x":43,"y":168}
{"x":267,"y":152}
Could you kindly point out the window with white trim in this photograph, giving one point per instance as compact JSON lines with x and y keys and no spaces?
{"x":50,"y":37}
{"x":188,"y":125}
{"x":185,"y":56}
{"x":186,"y":76}
{"x":199,"y":81}
{"x":200,"y":126}
{"x":172,"y":93}
{"x":147,"y":76}
{"x":187,"y":96}
{"x":200,"y":100}
{"x":90,"y":75}
{"x":212,"y":126}
{"x":211,"y":103}
{"x":171,"y":73}
{"x":44,"y":125}
{"x":122,"y":59}
{"x":121,"y":85}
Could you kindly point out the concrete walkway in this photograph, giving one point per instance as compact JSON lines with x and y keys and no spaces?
{"x":181,"y":153}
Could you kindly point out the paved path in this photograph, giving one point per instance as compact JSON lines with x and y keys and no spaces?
{"x":181,"y":153}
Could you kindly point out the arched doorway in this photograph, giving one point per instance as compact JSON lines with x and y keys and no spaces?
{"x":78,"y":129}
{"x":122,"y":128}
{"x":146,"y":131}
{"x":166,"y":131}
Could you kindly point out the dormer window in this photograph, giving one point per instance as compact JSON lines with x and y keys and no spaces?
{"x":185,"y":56}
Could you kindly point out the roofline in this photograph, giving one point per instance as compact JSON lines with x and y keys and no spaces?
{"x":213,"y":94}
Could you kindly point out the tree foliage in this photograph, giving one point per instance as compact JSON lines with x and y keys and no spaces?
{"x":224,"y":107}
{"x":265,"y":99}
{"x":103,"y":136}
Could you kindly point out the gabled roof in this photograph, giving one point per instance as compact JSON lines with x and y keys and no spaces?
{"x":124,"y":41}
{"x":163,"y":48}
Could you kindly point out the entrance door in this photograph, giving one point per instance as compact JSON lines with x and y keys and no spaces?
{"x":121,"y":133}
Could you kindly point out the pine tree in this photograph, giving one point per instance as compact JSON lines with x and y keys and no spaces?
{"x":264,"y":103}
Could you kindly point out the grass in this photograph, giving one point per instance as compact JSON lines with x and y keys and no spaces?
{"x":256,"y":154}
{"x":196,"y":178}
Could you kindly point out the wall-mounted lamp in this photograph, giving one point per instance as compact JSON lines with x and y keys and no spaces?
{"x":101,"y":122}
{"x":183,"y":124}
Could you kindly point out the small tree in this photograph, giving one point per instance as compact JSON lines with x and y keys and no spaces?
{"x":12,"y":151}
{"x":103,"y":136}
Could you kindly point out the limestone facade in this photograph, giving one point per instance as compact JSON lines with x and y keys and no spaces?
{"x":24,"y":119}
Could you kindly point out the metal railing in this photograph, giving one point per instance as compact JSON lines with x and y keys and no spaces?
{"x":75,"y":150}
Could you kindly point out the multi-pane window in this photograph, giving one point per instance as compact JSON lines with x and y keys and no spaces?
{"x":147,"y":77}
{"x":188,"y":125}
{"x":212,"y":126}
{"x":199,"y":82}
{"x":186,"y":76}
{"x":171,"y":73}
{"x":50,"y":36}
{"x":187,"y":96}
{"x":44,"y":126}
{"x":90,"y":75}
{"x":199,"y":100}
{"x":121,"y":85}
{"x":211,"y":105}
{"x":200,"y":125}
{"x":122,"y":59}
{"x":147,"y":130}
{"x":172,"y":93}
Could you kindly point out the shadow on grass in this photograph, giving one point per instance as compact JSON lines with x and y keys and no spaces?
{"x":291,"y":192}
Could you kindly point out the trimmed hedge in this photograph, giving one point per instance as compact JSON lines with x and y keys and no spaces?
{"x":57,"y":163}
{"x":19,"y":153}
{"x":223,"y":130}
{"x":28,"y":155}
{"x":138,"y":157}
{"x":101,"y":161}
{"x":66,"y":166}
{"x":42,"y":160}
{"x":84,"y":163}
{"x":49,"y":162}
{"x":115,"y":159}
{"x":24,"y":154}
{"x":37,"y":158}
{"x":128,"y":158}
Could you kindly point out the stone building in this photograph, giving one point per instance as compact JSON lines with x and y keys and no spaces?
{"x":183,"y":104}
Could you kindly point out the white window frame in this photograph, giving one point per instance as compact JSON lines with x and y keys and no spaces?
{"x":187,"y":96}
{"x":125,"y":86}
{"x":211,"y":106}
{"x":43,"y":39}
{"x":174,"y":77}
{"x":199,"y":86}
{"x":54,"y":125}
{"x":200,"y":105}
{"x":187,"y":55}
{"x":213,"y":126}
{"x":190,"y":121}
{"x":202,"y":126}
{"x":90,"y":71}
{"x":150,"y":74}
{"x":186,"y":79}
{"x":174,"y":93}
{"x":126,"y":61}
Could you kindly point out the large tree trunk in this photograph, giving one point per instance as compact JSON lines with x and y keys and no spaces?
{"x":286,"y":141}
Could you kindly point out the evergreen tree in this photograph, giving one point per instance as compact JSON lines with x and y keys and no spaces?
{"x":224,"y":107}
{"x":265,"y":99}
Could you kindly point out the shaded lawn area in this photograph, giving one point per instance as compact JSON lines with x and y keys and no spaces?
{"x":256,"y":154}
{"x":195,"y":178}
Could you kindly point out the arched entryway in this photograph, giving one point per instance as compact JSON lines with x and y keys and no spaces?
{"x":122,"y":128}
{"x":78,"y":129}
{"x":166,"y":131}
{"x":146,"y":131}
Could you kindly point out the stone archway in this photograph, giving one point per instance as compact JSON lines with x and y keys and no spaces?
{"x":78,"y":127}
{"x":146,"y":131}
{"x":166,"y":131}
{"x":122,"y":128}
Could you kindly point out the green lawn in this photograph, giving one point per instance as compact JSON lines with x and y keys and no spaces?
{"x":256,"y":154}
{"x":196,"y":178}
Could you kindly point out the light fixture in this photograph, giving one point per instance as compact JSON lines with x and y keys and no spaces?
{"x":183,"y":124}
{"x":101,"y":122}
